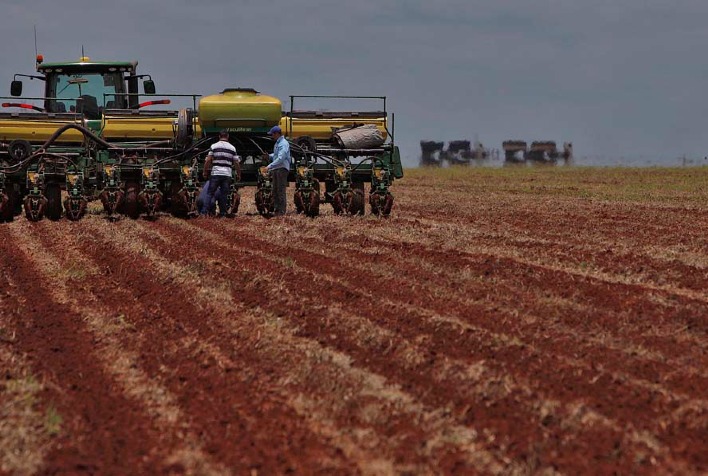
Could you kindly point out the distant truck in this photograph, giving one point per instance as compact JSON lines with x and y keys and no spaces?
{"x":462,"y":151}
{"x":458,"y":152}
{"x":543,"y":151}
{"x":538,"y":151}
{"x":431,"y":152}
{"x":514,"y":150}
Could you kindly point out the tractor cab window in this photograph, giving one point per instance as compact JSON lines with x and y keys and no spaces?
{"x":86,"y":93}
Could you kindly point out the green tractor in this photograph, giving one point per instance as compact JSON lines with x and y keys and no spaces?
{"x":95,"y":134}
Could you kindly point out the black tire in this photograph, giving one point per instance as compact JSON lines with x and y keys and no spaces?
{"x":330,"y":188}
{"x":235,"y":203}
{"x":184,"y":128}
{"x":16,"y":195}
{"x":69,"y":213}
{"x":54,"y":206}
{"x":381,"y":205}
{"x":19,"y":150}
{"x":338,"y":202}
{"x":7,"y":214}
{"x":306,"y":143}
{"x":131,"y":206}
{"x":374,"y":202}
{"x":299,"y":202}
{"x":35,"y":207}
{"x":313,"y":209}
{"x":357,"y":206}
{"x":264,"y":205}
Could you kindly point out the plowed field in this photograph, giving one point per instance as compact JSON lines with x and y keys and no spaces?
{"x":499,"y":322}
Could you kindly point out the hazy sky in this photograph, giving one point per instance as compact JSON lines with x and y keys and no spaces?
{"x":615,"y":78}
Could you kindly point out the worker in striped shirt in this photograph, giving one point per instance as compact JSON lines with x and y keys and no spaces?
{"x":222,"y":160}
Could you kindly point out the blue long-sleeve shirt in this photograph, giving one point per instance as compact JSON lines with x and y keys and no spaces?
{"x":280,"y":158}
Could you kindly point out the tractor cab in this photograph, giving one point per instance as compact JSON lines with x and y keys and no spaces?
{"x":86,"y":87}
{"x":102,"y":96}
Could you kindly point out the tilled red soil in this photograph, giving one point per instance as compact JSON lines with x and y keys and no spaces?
{"x":548,"y":333}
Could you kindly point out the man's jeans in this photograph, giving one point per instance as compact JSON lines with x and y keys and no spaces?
{"x":280,"y":182}
{"x":222,"y":183}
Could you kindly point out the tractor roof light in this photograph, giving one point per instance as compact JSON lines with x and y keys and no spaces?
{"x":40,"y":59}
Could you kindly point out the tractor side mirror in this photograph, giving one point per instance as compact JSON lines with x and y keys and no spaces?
{"x":16,"y":88}
{"x":149,"y":86}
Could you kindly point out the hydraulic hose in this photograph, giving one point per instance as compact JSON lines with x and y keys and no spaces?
{"x":42,"y":150}
{"x":87,"y":133}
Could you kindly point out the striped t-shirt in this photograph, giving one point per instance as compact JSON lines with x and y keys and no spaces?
{"x":223,"y":157}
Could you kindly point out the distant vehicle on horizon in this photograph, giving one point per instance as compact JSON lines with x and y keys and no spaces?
{"x":458,"y":152}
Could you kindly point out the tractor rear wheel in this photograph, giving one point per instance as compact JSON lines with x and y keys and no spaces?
{"x":54,"y":205}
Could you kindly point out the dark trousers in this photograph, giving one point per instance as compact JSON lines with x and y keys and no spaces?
{"x":280,"y":183}
{"x":222,"y":183}
{"x":203,"y":206}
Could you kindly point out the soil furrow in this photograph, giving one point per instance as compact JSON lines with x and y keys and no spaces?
{"x":457,"y":239}
{"x":617,"y":400}
{"x":660,"y":267}
{"x":528,"y":317}
{"x":25,"y":426}
{"x":114,"y":339}
{"x":392,"y":287}
{"x":386,"y":318}
{"x":569,"y":219}
{"x":243,"y":423}
{"x":676,"y":318}
{"x":397,"y":410}
{"x":97,"y":429}
{"x":547,"y":320}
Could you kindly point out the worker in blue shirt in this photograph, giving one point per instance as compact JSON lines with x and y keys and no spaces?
{"x":280,"y":167}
